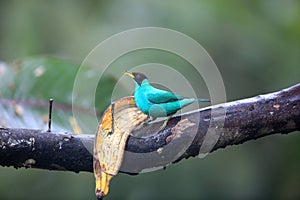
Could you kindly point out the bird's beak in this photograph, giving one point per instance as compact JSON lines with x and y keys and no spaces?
{"x":129,"y":74}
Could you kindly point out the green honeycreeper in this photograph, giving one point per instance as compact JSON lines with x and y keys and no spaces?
{"x":155,"y":102}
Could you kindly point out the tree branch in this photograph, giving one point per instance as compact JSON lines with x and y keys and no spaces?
{"x":245,"y":120}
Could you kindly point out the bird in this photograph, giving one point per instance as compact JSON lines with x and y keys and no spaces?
{"x":155,"y":102}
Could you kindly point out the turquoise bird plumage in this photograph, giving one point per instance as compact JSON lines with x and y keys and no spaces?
{"x":156,"y":102}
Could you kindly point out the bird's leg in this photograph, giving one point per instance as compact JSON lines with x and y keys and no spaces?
{"x":164,"y":124}
{"x":112,"y":117}
{"x":145,"y":123}
{"x":149,"y":119}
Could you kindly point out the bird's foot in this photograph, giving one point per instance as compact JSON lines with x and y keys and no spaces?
{"x":148,"y":120}
{"x":153,"y":127}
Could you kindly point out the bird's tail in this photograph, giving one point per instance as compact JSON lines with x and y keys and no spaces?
{"x":202,"y":100}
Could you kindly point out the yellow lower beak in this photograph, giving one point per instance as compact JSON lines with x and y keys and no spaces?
{"x":128,"y":74}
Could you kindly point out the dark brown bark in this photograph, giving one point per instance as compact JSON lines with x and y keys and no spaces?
{"x":245,"y":120}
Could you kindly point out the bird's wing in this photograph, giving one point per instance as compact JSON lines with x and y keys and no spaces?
{"x":158,"y":96}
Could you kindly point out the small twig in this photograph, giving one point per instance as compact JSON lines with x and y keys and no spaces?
{"x":50,"y":115}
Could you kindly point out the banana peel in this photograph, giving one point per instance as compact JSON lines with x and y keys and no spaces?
{"x":110,"y":142}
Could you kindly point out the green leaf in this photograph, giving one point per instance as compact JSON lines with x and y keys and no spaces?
{"x":28,"y":84}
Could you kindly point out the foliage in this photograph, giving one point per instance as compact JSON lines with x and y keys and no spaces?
{"x":255,"y":45}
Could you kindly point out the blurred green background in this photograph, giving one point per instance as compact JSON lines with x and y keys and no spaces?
{"x":256,"y":46}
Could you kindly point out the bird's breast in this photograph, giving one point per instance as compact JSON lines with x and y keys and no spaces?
{"x":142,"y":103}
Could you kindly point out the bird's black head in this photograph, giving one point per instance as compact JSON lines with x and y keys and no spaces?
{"x":137,"y":76}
